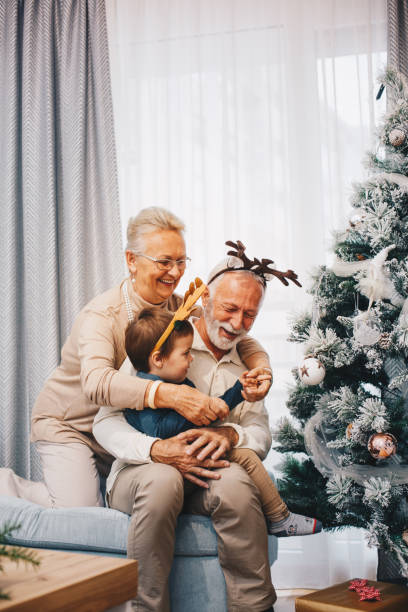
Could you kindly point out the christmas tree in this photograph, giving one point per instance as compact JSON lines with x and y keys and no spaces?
{"x":349,"y":405}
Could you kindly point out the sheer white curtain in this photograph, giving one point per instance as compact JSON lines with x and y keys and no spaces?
{"x":250,"y":119}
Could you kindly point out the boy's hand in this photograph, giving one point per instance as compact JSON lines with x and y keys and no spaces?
{"x":195,"y":406}
{"x":219,"y":407}
{"x":256,"y":383}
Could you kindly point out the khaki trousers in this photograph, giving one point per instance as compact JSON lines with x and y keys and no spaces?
{"x":273,"y":506}
{"x":154,"y":494}
{"x":71,"y":477}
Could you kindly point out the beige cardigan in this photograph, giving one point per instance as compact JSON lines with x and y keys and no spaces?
{"x":88,"y":375}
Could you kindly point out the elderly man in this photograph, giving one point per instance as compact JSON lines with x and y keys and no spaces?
{"x":152,"y":488}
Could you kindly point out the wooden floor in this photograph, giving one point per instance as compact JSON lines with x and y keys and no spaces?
{"x":286,"y":599}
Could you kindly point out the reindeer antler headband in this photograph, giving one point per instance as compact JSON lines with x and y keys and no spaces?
{"x":261,"y":268}
{"x":193,"y":293}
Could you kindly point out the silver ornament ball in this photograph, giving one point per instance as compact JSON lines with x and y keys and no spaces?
{"x":366,"y":329}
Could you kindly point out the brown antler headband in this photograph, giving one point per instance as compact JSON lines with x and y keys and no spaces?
{"x":260,"y":268}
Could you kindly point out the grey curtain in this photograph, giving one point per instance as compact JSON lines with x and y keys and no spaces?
{"x":60,"y":241}
{"x":397,"y":52}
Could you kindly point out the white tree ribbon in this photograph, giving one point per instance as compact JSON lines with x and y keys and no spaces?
{"x":392,"y":177}
{"x":327,"y":460}
{"x":375,"y":284}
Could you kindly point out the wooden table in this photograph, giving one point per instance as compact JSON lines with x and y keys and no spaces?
{"x":66,"y":582}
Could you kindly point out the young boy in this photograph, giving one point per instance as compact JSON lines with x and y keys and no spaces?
{"x":170,"y":364}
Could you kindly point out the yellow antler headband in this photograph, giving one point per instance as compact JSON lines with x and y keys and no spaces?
{"x":191,"y":296}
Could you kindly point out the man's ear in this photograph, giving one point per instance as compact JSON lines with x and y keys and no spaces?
{"x":205,"y":297}
{"x":156,"y":359}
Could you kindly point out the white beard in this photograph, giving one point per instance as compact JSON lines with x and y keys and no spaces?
{"x":213,"y":326}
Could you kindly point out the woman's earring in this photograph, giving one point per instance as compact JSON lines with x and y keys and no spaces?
{"x":133,"y":279}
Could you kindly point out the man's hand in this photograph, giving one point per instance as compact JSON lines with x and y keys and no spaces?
{"x":213,"y":442}
{"x":256,"y":383}
{"x":174,"y":452}
{"x":191,"y":403}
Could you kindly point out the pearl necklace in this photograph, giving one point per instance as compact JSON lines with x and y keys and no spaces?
{"x":129,"y":310}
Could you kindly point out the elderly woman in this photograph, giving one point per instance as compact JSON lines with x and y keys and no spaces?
{"x":88,"y":375}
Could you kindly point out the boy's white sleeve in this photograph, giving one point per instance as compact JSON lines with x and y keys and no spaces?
{"x":250,"y":421}
{"x":116,"y":436}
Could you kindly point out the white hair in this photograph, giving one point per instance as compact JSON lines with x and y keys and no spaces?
{"x":232,"y":263}
{"x":149,"y":220}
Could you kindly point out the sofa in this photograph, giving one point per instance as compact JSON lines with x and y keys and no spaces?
{"x":196,"y":575}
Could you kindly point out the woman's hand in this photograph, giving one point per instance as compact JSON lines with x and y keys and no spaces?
{"x":256,"y":383}
{"x":174,"y":452}
{"x":191,"y":403}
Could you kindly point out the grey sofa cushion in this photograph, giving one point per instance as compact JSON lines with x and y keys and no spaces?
{"x":95,"y":529}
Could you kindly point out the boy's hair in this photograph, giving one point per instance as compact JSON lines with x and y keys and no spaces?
{"x":145,"y":330}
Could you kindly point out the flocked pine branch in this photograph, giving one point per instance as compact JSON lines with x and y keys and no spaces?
{"x":300,"y":328}
{"x":342,"y":404}
{"x":14,"y":553}
{"x":338,"y":490}
{"x":289,"y":438}
{"x":372,"y":415}
{"x":377,"y":491}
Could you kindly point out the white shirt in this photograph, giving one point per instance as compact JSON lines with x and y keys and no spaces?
{"x":212,"y":377}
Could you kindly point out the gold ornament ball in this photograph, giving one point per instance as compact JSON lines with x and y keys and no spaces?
{"x":382,"y":445}
{"x":397,"y":137}
{"x":384,"y":341}
{"x":349,"y":431}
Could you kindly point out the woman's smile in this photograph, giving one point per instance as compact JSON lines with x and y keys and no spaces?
{"x":149,"y":281}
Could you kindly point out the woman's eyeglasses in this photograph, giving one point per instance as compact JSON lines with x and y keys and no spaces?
{"x":167,"y":264}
